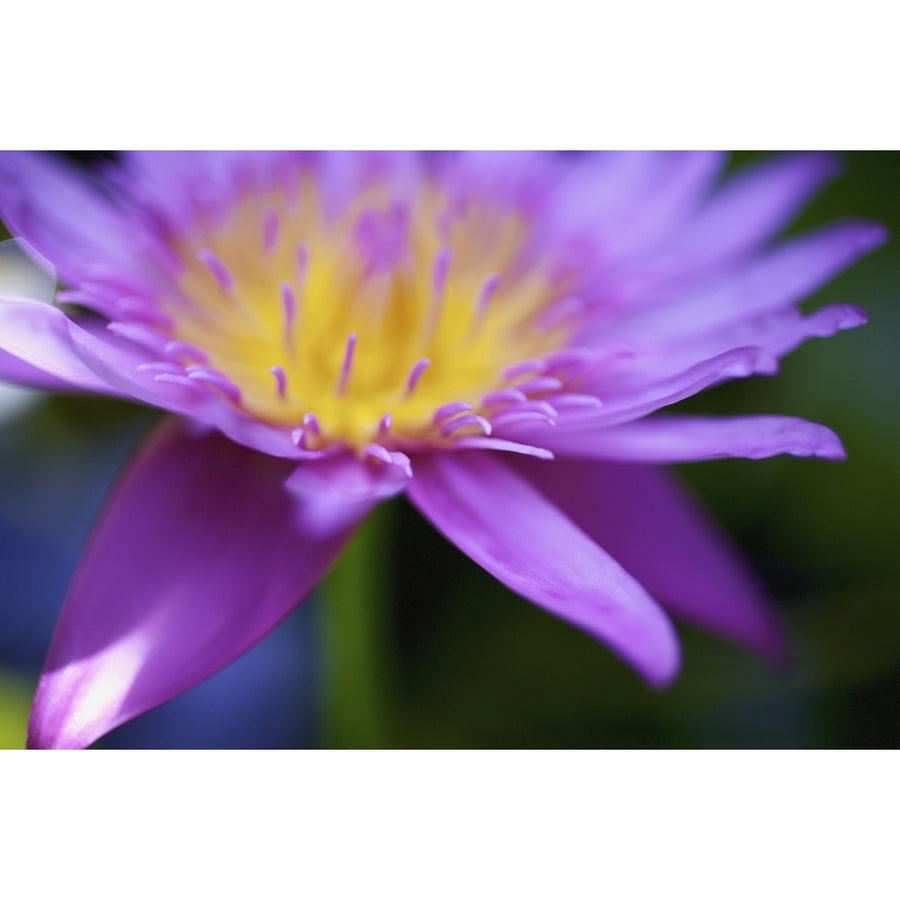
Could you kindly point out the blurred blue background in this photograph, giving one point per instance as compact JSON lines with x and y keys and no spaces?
{"x":468,"y":664}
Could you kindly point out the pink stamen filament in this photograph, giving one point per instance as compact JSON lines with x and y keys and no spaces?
{"x":415,"y":374}
{"x":448,"y":410}
{"x":526,"y":367}
{"x":280,"y":380}
{"x":215,"y":379}
{"x":464,"y":422}
{"x":175,"y":378}
{"x":376,"y":451}
{"x":347,"y":365}
{"x":289,"y":308}
{"x":440,"y":270}
{"x":542,"y":385}
{"x":270,"y":230}
{"x":178,"y":349}
{"x":507,"y":395}
{"x":488,"y":289}
{"x":217,"y":269}
{"x":513,"y":416}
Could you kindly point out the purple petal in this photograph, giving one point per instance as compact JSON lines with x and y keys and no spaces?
{"x":783,"y":277}
{"x":645,"y":399}
{"x":200,"y":552}
{"x":36,"y":349}
{"x":41,"y":347}
{"x":59,"y":211}
{"x":750,"y":207}
{"x":658,"y":532}
{"x":777,"y":333}
{"x":688,"y":177}
{"x":505,"y":525}
{"x":675,"y":439}
{"x":334,"y":487}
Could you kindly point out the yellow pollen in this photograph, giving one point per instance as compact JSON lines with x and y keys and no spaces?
{"x":382,"y":309}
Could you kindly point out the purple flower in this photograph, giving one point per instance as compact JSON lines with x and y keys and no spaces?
{"x":492,"y":334}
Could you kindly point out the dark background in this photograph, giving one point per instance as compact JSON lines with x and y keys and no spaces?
{"x":461,"y":662}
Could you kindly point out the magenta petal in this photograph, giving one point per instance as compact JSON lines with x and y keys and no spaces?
{"x":674,"y":439}
{"x":659,"y":533}
{"x":508,"y":527}
{"x":201,"y":551}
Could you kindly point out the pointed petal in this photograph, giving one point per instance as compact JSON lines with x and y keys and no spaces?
{"x":36,"y":349}
{"x":688,"y":177}
{"x":645,"y":399}
{"x":201,"y":551}
{"x":777,"y":333}
{"x":750,"y":207}
{"x":659,"y":533}
{"x":59,"y":210}
{"x":508,"y":527}
{"x":776,"y":281}
{"x":675,"y":439}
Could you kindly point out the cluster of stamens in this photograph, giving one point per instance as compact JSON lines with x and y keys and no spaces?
{"x":388,"y":325}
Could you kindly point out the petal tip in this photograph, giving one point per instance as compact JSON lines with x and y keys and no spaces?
{"x":853,"y":317}
{"x":827,"y":445}
{"x":869,"y":235}
{"x":664,"y":677}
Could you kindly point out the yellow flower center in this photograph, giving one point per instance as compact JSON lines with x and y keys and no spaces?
{"x":385,"y":318}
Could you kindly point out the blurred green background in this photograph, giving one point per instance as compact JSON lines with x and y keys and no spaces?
{"x":446,"y":657}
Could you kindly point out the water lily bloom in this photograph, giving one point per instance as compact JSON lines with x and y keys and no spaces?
{"x":493,"y":335}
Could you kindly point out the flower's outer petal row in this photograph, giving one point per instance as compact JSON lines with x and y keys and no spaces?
{"x":599,"y":190}
{"x":40,"y":346}
{"x":777,"y":333}
{"x":201,"y":551}
{"x":671,"y":439}
{"x":743,"y":214}
{"x":36,"y":349}
{"x":613,"y":211}
{"x":630,"y":406}
{"x":505,"y":525}
{"x":60,"y":212}
{"x":658,"y":533}
{"x":684,"y":180}
{"x":14,"y":370}
{"x":772,"y":282}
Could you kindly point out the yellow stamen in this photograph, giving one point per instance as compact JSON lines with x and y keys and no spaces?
{"x":380,"y":310}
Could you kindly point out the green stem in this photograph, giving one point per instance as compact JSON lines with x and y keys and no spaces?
{"x":356,"y":613}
